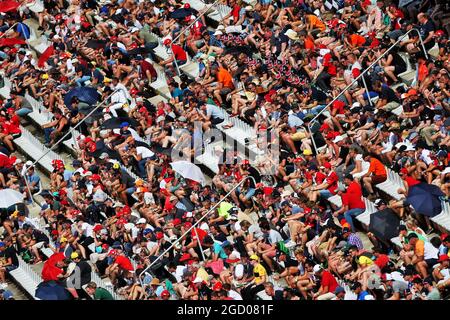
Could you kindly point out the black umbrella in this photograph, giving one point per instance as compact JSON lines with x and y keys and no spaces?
{"x":384,"y":224}
{"x":51,"y":290}
{"x":89,"y":95}
{"x":424,"y":198}
{"x":115,"y":122}
{"x":182,"y":13}
{"x":102,"y":148}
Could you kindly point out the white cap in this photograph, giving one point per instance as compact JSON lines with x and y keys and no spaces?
{"x":338,"y":138}
{"x":29,"y":164}
{"x":160,"y":118}
{"x":134,"y":29}
{"x":218,"y":33}
{"x":317,"y":268}
{"x":17,"y":161}
{"x":388,"y":277}
{"x":141,"y":220}
{"x":56,"y":37}
{"x":355,"y":105}
{"x":369,"y":297}
{"x":74,"y":60}
{"x":188,"y":214}
{"x":118,"y":205}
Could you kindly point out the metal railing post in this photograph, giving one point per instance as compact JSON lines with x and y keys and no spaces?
{"x":141,"y":276}
{"x":360,"y":75}
{"x":74,"y":127}
{"x":199,"y":244}
{"x":4,"y":33}
{"x":367,"y":91}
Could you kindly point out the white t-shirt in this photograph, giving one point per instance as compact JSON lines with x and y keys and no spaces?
{"x":87,"y":229}
{"x":145,"y":152}
{"x":233,"y":294}
{"x":274,"y":236}
{"x":430,"y":251}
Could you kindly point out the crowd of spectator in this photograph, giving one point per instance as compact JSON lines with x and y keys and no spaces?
{"x":275,"y":65}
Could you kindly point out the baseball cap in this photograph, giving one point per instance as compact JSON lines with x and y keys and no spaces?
{"x":326,"y":165}
{"x":254,"y":257}
{"x":103,"y":156}
{"x":217,"y":286}
{"x":339,"y":290}
{"x":112,"y":252}
{"x":324,"y":126}
{"x":307,"y":152}
{"x":443,"y":257}
{"x":317,"y":268}
{"x":2,"y":244}
{"x":165,"y":293}
{"x":141,"y":220}
{"x":147,"y":231}
{"x":124,"y":124}
{"x":74,"y":255}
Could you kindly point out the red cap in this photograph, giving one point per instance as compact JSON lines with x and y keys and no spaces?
{"x":439,"y":33}
{"x":187,"y":5}
{"x":322,"y":46}
{"x":443,"y":257}
{"x":112,"y":252}
{"x":134,"y":91}
{"x":105,"y":246}
{"x":412,"y":92}
{"x":95,"y":177}
{"x":165,"y":293}
{"x":126,"y":210}
{"x":404,"y":171}
{"x":176,"y":222}
{"x":232,"y":260}
{"x":324,"y":127}
{"x":443,"y":236}
{"x":187,"y":225}
{"x":159,"y":235}
{"x":167,"y":41}
{"x":113,"y":38}
{"x":97,"y":228}
{"x":217,"y":286}
{"x":245,"y":161}
{"x":143,"y":110}
{"x":327,"y":165}
{"x":185,"y":257}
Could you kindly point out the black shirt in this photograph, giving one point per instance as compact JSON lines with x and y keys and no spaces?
{"x":85,"y":272}
{"x":388,"y":94}
{"x":39,"y":236}
{"x":10,"y":252}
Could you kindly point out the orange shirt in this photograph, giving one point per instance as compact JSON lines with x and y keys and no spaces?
{"x":419,"y":248}
{"x":357,"y":40}
{"x":316,"y":22}
{"x":225,"y":78}
{"x":377,"y":168}
{"x":309,"y":43}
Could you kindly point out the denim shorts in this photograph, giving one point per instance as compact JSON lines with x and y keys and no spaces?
{"x":325,"y":194}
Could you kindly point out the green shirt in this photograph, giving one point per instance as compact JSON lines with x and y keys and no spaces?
{"x":146,"y":35}
{"x":102,"y":294}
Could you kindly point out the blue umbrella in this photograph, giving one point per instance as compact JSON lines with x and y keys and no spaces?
{"x":424,"y":198}
{"x":85,"y":94}
{"x":51,"y":290}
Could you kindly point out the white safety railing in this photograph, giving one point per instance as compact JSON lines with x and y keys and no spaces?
{"x":142,"y":274}
{"x":313,"y":120}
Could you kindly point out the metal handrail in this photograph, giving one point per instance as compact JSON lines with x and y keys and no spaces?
{"x":186,"y":28}
{"x":142,"y":274}
{"x":4,"y":33}
{"x":359,"y":76}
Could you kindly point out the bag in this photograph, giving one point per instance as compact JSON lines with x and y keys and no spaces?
{"x":26,"y":256}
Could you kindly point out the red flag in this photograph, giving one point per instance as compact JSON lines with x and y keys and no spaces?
{"x":46,"y":55}
{"x":9,"y":42}
{"x":6,"y":6}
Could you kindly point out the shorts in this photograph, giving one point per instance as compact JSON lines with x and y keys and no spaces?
{"x":130,"y":190}
{"x":11,"y":268}
{"x":431,"y":262}
{"x":250,"y":192}
{"x":391,"y":106}
{"x":371,"y":95}
{"x":298,"y":136}
{"x":325,"y":194}
{"x":225,"y":91}
{"x":215,"y":120}
{"x":378,"y":179}
{"x":39,"y":245}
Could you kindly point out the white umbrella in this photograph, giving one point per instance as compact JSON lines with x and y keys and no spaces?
{"x":189,"y":170}
{"x":10,"y":197}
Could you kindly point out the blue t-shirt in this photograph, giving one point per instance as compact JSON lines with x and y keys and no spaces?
{"x":219,"y":251}
{"x":362,"y":295}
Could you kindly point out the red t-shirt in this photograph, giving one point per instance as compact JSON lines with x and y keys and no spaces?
{"x":179,"y":53}
{"x":124,"y":263}
{"x":235,"y":13}
{"x":331,"y":68}
{"x":319,"y":177}
{"x":328,"y":280}
{"x":353,"y":196}
{"x":5,"y":162}
{"x":332,"y":181}
{"x":381,"y":261}
{"x":146,"y":66}
{"x":411,"y":181}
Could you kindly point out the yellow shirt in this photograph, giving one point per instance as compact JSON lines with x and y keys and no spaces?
{"x":259,"y":271}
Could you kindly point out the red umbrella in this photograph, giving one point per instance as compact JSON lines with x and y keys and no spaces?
{"x":50,"y":271}
{"x":6,"y":6}
{"x":9,"y":42}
